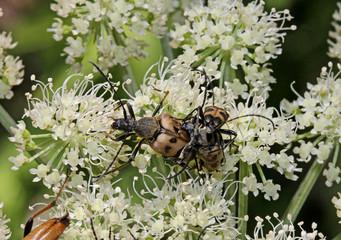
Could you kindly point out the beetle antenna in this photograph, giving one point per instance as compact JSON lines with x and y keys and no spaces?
{"x":93,"y":228}
{"x":254,"y":115}
{"x":208,"y":84}
{"x":112,"y":162}
{"x":132,"y":235}
{"x":202,"y":232}
{"x":112,"y":87}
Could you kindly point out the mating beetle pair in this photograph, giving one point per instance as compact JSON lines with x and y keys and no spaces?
{"x":182,"y":140}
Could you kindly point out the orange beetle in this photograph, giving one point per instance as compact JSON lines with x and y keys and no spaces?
{"x":52,"y":228}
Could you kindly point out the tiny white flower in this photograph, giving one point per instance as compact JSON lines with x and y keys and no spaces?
{"x":271,"y":190}
{"x":337,"y":204}
{"x":332,"y":174}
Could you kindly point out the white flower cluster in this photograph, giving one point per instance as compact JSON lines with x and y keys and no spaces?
{"x":282,"y":230}
{"x":182,"y":210}
{"x":337,"y":204}
{"x":11,"y":68}
{"x":176,"y":209}
{"x":319,"y":111}
{"x":69,"y":123}
{"x":238,"y":35}
{"x":334,"y":42}
{"x":111,"y":23}
{"x":5,"y":232}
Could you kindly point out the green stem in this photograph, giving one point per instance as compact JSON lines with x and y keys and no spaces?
{"x":337,"y":237}
{"x":260,"y":171}
{"x":303,"y":191}
{"x":166,"y":48}
{"x":6,"y":120}
{"x":336,"y":153}
{"x":243,"y":199}
{"x":202,"y":56}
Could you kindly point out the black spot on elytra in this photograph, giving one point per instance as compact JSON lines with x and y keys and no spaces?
{"x":168,"y":148}
{"x":176,"y":129}
{"x":209,"y":109}
{"x":173,"y":140}
{"x":223,"y":114}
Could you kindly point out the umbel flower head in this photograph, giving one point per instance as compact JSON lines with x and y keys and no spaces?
{"x":111,"y":23}
{"x":11,"y":68}
{"x":233,"y":34}
{"x":319,"y":111}
{"x":68,"y":123}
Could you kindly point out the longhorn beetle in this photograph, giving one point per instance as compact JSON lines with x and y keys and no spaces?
{"x":205,"y":131}
{"x":52,"y":228}
{"x":163,"y":133}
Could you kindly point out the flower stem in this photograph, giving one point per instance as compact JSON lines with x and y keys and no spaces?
{"x":6,"y":120}
{"x":167,"y":50}
{"x":203,"y":55}
{"x":337,"y":237}
{"x":303,"y":191}
{"x":336,"y":153}
{"x":243,"y":199}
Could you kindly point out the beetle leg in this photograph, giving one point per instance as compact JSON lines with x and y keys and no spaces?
{"x":184,"y":167}
{"x":228,"y":132}
{"x":106,"y":171}
{"x":132,"y":157}
{"x":160,"y":104}
{"x":29,"y":223}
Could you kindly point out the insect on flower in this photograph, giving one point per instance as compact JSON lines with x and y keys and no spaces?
{"x":52,"y":228}
{"x":205,"y":130}
{"x":163,"y":133}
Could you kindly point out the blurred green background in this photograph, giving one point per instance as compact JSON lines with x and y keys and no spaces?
{"x":304,"y":53}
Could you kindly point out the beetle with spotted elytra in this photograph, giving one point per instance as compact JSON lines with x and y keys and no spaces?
{"x":206,"y":133}
{"x":163,"y":133}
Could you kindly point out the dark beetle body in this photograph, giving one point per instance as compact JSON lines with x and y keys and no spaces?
{"x":163,"y":133}
{"x":206,"y":141}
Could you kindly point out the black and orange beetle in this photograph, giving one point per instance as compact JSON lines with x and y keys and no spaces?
{"x":163,"y":133}
{"x":207,"y":142}
{"x":52,"y":228}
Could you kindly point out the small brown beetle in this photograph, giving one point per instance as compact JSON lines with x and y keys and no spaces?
{"x":163,"y":133}
{"x":52,"y":228}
